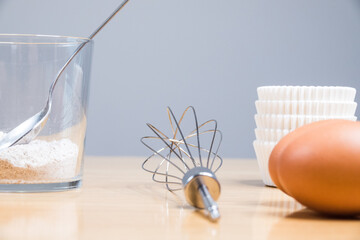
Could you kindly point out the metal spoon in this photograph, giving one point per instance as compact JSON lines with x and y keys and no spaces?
{"x":30,"y":128}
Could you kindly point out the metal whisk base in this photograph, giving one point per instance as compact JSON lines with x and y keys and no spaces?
{"x":202,"y":189}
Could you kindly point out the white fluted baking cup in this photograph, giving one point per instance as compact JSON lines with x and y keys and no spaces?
{"x":263,"y":150}
{"x":270,"y":135}
{"x":306,"y":108}
{"x":307,"y":93}
{"x":288,"y":122}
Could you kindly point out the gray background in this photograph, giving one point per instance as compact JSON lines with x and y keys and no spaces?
{"x":206,"y":53}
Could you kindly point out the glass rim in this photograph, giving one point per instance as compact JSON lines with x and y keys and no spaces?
{"x":77,"y":40}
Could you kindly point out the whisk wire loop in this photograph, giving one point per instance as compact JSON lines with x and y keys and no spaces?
{"x":199,"y":182}
{"x":212,"y":140}
{"x":156,"y":171}
{"x":158,"y":153}
{"x":181,"y":133}
{"x":155,"y":130}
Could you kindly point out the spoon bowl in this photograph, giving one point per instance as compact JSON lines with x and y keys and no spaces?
{"x":26,"y":131}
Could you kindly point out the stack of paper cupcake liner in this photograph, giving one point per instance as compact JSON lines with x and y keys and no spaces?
{"x":282,"y":109}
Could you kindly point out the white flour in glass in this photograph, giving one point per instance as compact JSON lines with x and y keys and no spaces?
{"x":39,"y":161}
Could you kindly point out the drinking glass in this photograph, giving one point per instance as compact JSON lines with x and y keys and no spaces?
{"x":53,"y":161}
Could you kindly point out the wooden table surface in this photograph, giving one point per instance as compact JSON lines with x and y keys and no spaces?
{"x":119,"y":200}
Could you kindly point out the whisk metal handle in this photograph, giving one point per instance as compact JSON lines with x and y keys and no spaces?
{"x":209,"y":203}
{"x":202,"y":189}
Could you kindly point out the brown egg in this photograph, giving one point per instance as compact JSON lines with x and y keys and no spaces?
{"x":281,"y":146}
{"x":319,"y":165}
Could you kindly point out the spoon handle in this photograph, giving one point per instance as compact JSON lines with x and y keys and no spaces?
{"x":49,"y":101}
{"x":108,"y":19}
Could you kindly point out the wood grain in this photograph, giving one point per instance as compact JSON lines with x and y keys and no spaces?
{"x":118,"y":200}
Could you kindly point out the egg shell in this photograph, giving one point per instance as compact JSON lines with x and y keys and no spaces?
{"x":319,"y":165}
{"x":278,"y":150}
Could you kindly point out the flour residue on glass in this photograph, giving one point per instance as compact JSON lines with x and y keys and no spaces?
{"x":39,"y":161}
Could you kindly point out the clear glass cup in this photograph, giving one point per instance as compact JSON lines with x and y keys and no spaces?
{"x":28,"y":65}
